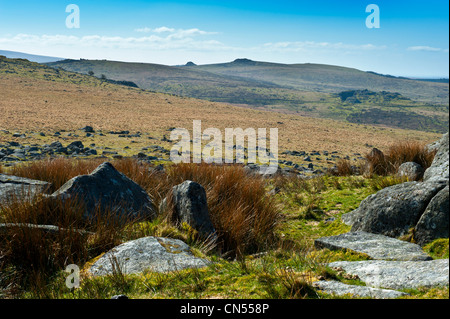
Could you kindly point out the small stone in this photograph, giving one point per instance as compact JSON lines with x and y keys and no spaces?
{"x":412,"y":171}
{"x":189,"y":199}
{"x":88,"y":129}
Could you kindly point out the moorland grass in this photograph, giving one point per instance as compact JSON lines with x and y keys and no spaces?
{"x":377,"y":163}
{"x":282,"y":263}
{"x":244,"y":216}
{"x":400,"y":152}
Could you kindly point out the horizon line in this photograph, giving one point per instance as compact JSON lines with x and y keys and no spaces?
{"x":412,"y":77}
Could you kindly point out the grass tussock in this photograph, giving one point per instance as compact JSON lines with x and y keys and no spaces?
{"x":387,"y":163}
{"x":379,"y":182}
{"x":35,"y":254}
{"x":244,"y":216}
{"x":55,"y":171}
{"x":242,"y":213}
{"x":343,"y":167}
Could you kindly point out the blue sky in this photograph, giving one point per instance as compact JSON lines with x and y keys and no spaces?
{"x":412,"y":39}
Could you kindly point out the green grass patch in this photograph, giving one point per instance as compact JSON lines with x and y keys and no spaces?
{"x":438,"y":249}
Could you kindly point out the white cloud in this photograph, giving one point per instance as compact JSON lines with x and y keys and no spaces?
{"x":144,"y":30}
{"x":426,"y":48}
{"x":161,"y":38}
{"x":307,"y":46}
{"x":175,"y":33}
{"x":156,"y":30}
{"x":165,"y":38}
{"x":163,"y":29}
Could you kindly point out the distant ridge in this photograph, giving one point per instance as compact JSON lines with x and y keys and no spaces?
{"x":330,"y":78}
{"x":440,"y":80}
{"x":29,"y":57}
{"x":257,"y":83}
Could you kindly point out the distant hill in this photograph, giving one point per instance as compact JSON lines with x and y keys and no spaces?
{"x":329,"y":78}
{"x":29,"y":57}
{"x":201,"y":81}
{"x":180,"y":81}
{"x":306,"y":89}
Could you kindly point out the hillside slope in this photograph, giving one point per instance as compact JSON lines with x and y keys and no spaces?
{"x":308,"y":89}
{"x":30,"y":57}
{"x":328,"y":78}
{"x":39,"y":98}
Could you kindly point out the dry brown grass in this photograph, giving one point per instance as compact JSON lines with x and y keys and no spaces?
{"x":39,"y":105}
{"x":400,"y":152}
{"x":243,"y":214}
{"x":343,"y":168}
{"x":55,"y":171}
{"x":33,"y":255}
{"x":410,"y":151}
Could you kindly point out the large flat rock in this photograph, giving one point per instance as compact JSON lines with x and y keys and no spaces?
{"x":147,"y":254}
{"x":20,"y":187}
{"x":398,"y":274}
{"x":339,"y":288}
{"x":376,"y":246}
{"x":5,"y":227}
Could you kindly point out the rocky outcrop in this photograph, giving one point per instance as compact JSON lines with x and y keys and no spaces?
{"x":375,"y":246}
{"x":417,"y":208}
{"x":189,"y":200}
{"x":395,"y":211}
{"x":147,"y":254}
{"x":107,"y":188}
{"x":398,"y":265}
{"x":20,"y":187}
